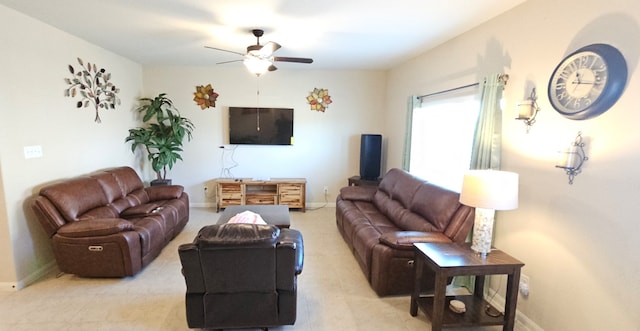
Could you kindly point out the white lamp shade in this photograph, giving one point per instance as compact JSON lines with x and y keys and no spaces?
{"x":257,"y":66}
{"x":490,"y":189}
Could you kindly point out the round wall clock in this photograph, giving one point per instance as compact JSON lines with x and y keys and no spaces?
{"x":588,"y":81}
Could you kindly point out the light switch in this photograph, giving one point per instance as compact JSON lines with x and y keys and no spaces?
{"x":31,"y":152}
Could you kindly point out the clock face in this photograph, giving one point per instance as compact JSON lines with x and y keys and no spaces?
{"x":588,"y":82}
{"x":578,"y":82}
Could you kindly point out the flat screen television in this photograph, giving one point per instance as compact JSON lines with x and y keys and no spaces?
{"x":260,"y":126}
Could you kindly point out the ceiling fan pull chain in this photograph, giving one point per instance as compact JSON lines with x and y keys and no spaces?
{"x":258,"y":103}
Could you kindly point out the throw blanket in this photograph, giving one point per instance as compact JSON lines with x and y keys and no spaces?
{"x":247,"y":217}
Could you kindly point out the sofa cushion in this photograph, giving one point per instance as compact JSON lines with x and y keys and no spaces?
{"x":95,"y":228}
{"x":127,"y":178}
{"x":100,"y":212}
{"x":399,"y":186}
{"x":137,"y":197}
{"x":109,"y":185}
{"x":75,"y":196}
{"x":435,"y":204}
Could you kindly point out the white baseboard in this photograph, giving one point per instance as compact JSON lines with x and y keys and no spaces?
{"x":523,"y":323}
{"x":315,"y":205}
{"x":202,"y":204}
{"x":8,"y":286}
{"x":309,"y":204}
{"x":47,"y":269}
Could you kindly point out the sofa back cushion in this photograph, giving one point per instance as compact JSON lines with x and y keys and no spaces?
{"x":75,"y":197}
{"x":414,"y":204}
{"x":127,"y":178}
{"x":109,"y":184}
{"x":397,"y":185}
{"x":435,"y":204}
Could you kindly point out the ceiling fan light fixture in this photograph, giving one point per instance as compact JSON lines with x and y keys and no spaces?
{"x":257,"y":66}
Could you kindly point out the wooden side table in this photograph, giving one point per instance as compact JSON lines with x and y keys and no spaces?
{"x":448,"y":260}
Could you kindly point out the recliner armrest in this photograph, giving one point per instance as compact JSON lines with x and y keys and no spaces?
{"x":293,"y":239}
{"x":164,"y":192}
{"x":289,"y":259}
{"x":405,"y":239}
{"x":191,"y":268}
{"x":95,"y":227}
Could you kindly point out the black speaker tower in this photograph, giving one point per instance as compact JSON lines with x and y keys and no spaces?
{"x":370,"y":156}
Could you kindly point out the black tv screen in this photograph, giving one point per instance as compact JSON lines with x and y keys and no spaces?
{"x":260,"y":126}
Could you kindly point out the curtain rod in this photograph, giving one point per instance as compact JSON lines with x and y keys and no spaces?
{"x":449,"y":90}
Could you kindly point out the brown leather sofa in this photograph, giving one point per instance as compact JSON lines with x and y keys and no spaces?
{"x":242,"y":276}
{"x":380,"y":225}
{"x":107,"y":224}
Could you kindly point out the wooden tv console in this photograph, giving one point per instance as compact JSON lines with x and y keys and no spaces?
{"x":248,"y":191}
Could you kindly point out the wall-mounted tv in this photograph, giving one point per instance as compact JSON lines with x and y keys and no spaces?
{"x":260,"y":126}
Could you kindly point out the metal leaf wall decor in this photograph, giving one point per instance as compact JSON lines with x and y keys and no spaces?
{"x":93,"y":86}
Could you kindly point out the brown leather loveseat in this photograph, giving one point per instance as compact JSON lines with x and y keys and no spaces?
{"x":107,"y":224}
{"x":380,"y":225}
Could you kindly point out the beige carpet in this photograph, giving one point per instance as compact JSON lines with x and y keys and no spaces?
{"x":332,"y":291}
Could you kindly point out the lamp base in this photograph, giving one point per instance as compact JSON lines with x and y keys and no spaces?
{"x":483,"y":231}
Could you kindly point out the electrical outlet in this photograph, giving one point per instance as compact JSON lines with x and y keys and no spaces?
{"x":524,"y":285}
{"x":31,"y":152}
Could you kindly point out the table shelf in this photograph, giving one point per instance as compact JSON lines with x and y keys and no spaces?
{"x":474,"y":314}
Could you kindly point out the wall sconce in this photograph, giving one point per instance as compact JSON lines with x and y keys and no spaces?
{"x":528,"y":109}
{"x":573,"y":158}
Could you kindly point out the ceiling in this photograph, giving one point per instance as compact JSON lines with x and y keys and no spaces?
{"x":337,"y":34}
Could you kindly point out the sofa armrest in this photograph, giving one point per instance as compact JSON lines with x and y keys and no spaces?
{"x":165,"y":192}
{"x":405,"y":239}
{"x":359,"y":193}
{"x":95,"y":227}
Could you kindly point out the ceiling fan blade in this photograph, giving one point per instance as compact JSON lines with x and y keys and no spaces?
{"x":292,"y":59}
{"x":224,"y":62}
{"x":224,"y":50}
{"x":268,"y":49}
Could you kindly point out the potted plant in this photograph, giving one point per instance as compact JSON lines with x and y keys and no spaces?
{"x":162,"y":136}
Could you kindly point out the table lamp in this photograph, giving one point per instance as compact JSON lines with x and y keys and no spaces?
{"x":488,"y":191}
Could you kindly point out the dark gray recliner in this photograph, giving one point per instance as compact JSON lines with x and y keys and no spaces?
{"x":242,"y":276}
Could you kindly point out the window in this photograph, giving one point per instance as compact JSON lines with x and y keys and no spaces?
{"x":442,"y":137}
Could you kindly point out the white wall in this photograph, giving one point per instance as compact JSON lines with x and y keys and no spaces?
{"x":326,"y":145}
{"x":34,"y":111}
{"x":579,"y":242}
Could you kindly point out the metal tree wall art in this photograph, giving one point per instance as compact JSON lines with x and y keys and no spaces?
{"x":93,"y":86}
{"x":319,"y":99}
{"x":205,"y":97}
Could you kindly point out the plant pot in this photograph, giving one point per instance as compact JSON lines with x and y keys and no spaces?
{"x":160,"y":182}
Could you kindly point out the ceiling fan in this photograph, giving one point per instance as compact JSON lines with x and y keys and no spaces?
{"x":259,"y":58}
